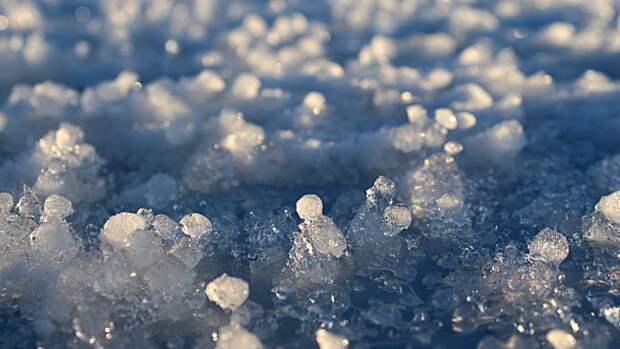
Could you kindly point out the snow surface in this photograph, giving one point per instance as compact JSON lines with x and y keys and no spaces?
{"x":309,"y":174}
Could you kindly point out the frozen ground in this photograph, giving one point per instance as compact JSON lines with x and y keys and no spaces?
{"x":324,"y":174}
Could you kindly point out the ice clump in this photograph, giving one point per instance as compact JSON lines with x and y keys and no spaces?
{"x":233,"y":337}
{"x":609,"y":206}
{"x":196,"y":225}
{"x":317,"y":245}
{"x":328,"y":340}
{"x":463,"y":157}
{"x":120,"y":226}
{"x":560,"y":339}
{"x":227,"y":291}
{"x":549,"y":245}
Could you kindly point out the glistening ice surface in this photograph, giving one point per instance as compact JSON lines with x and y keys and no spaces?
{"x":332,"y":174}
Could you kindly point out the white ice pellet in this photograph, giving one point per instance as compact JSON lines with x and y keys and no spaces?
{"x":328,"y":340}
{"x":549,"y":245}
{"x":120,"y":226}
{"x":196,"y":225}
{"x":315,"y":100}
{"x":246,"y":86}
{"x":309,"y":206}
{"x":466,"y":120}
{"x":452,"y":148}
{"x":446,"y":118}
{"x":560,"y":339}
{"x":57,"y":207}
{"x":228,"y":292}
{"x":417,"y":115}
{"x":609,"y":206}
{"x":6,"y":202}
{"x":235,"y":337}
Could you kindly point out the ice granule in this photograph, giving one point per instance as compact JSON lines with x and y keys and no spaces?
{"x":196,"y":225}
{"x":309,"y":207}
{"x":328,"y":340}
{"x":397,"y":218}
{"x":456,"y":151}
{"x":550,"y":246}
{"x":120,"y":226}
{"x":560,"y":339}
{"x":6,"y":202}
{"x":446,"y":118}
{"x":234,"y":337}
{"x":228,"y":292}
{"x":609,"y":206}
{"x":56,"y":207}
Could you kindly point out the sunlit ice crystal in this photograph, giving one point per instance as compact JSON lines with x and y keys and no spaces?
{"x":120,"y":226}
{"x":234,"y":337}
{"x":560,"y":339}
{"x":328,"y":340}
{"x":56,"y":207}
{"x":196,"y":225}
{"x":6,"y":202}
{"x":609,"y":205}
{"x":550,"y":245}
{"x":309,"y":207}
{"x":228,"y":292}
{"x":396,"y":218}
{"x":323,"y":234}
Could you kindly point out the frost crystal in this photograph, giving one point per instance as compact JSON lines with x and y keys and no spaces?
{"x":227,"y":291}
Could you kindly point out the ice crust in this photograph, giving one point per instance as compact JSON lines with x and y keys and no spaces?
{"x":379,"y":173}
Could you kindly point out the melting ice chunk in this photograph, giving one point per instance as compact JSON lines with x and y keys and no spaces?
{"x":235,"y":337}
{"x":228,"y":292}
{"x":328,"y":340}
{"x":56,"y":207}
{"x":610,"y":207}
{"x":120,"y":226}
{"x":309,"y":206}
{"x":550,"y":245}
{"x":196,"y":225}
